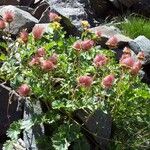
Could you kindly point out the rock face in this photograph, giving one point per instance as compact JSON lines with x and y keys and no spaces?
{"x":21,"y":21}
{"x":98,"y":123}
{"x":30,"y":136}
{"x":7,"y":117}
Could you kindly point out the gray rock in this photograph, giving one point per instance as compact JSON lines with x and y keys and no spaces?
{"x":21,"y":21}
{"x":141,"y":43}
{"x":97,"y":123}
{"x":30,"y":136}
{"x":109,"y":31}
{"x":72,"y":12}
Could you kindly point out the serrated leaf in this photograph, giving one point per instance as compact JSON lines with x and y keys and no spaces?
{"x":8,"y":145}
{"x":14,"y":130}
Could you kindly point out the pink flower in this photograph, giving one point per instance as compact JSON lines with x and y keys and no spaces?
{"x":100,"y":60}
{"x":77,"y":45}
{"x":2,"y":25}
{"x":98,"y":33}
{"x":127,"y":62}
{"x":47,"y":65}
{"x":8,"y":16}
{"x":136,"y":67}
{"x":141,"y":55}
{"x":124,"y":56}
{"x":24,"y":36}
{"x":87,"y":44}
{"x":85,"y":81}
{"x":83,"y":45}
{"x":127,"y":50}
{"x":54,"y":17}
{"x":112,"y":42}
{"x":23,"y":90}
{"x":53,"y":58}
{"x":35,"y":61}
{"x":37,"y":32}
{"x":40,"y":52}
{"x":107,"y":82}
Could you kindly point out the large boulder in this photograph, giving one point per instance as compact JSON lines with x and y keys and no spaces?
{"x":21,"y":20}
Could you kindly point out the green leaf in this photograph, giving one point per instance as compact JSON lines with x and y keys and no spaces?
{"x":14,"y":130}
{"x":65,"y":135}
{"x":8,"y":145}
{"x":2,"y":57}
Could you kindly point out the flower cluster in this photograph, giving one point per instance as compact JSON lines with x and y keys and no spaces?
{"x":7,"y":17}
{"x":45,"y":64}
{"x":84,"y":45}
{"x":128,"y":62}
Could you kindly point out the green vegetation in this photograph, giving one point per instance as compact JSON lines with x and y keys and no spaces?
{"x":134,"y":26}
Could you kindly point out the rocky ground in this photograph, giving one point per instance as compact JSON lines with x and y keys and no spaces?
{"x":31,"y":12}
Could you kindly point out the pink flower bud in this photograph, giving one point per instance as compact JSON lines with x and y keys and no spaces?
{"x":23,"y":90}
{"x":136,"y":68}
{"x":100,"y":60}
{"x":87,"y":44}
{"x":40,"y":52}
{"x":107,"y":82}
{"x":141,"y":55}
{"x":37,"y":32}
{"x":47,"y":65}
{"x":85,"y":81}
{"x":127,"y":50}
{"x":2,"y":25}
{"x":24,"y":36}
{"x":77,"y":46}
{"x":127,"y":62}
{"x":8,"y":16}
{"x":54,"y":17}
{"x":112,"y":42}
{"x":35,"y":61}
{"x":53,"y":58}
